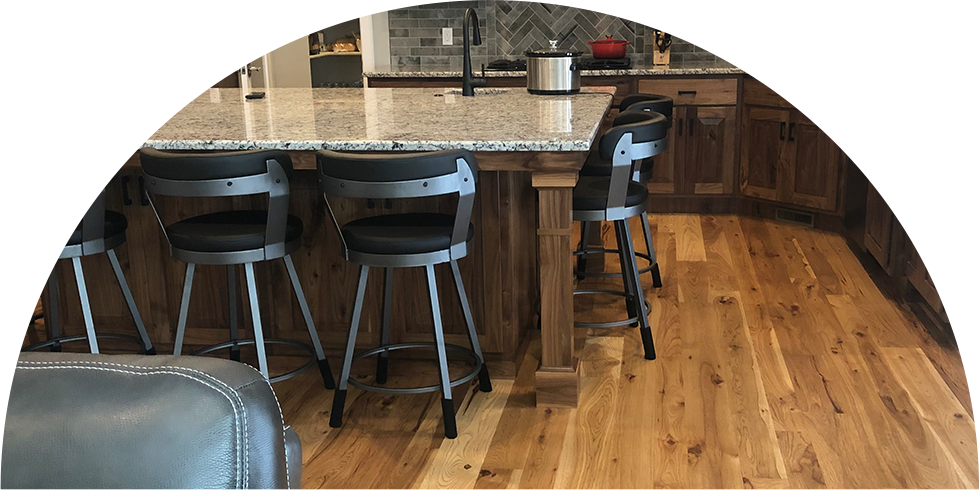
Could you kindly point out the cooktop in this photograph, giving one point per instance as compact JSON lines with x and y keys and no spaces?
{"x":507,"y":65}
{"x":606,"y":63}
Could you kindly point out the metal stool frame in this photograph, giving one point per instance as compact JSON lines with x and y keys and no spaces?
{"x":653,"y":267}
{"x":93,"y":242}
{"x":461,"y":182}
{"x":275,"y":183}
{"x":625,"y":157}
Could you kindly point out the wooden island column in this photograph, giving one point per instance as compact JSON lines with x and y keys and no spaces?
{"x":556,"y":380}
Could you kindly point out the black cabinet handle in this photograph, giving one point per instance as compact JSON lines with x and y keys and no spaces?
{"x":791,"y":126}
{"x":687,"y":92}
{"x":782,"y":131}
{"x":370,"y":203}
{"x":680,"y":127}
{"x":144,"y":199}
{"x":690,"y":126}
{"x":125,"y":190}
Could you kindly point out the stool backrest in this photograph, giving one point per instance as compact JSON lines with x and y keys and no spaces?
{"x":93,"y":227}
{"x":654,"y":102}
{"x":635,"y":135}
{"x":223,"y":174}
{"x":665,"y":108}
{"x":401,"y":175}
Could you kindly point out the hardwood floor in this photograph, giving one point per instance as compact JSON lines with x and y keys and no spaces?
{"x":780,"y":364}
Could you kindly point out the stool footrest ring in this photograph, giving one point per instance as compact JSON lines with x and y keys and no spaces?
{"x":620,"y":323}
{"x":422,"y":389}
{"x":588,"y":251}
{"x":276,"y":379}
{"x":76,"y":338}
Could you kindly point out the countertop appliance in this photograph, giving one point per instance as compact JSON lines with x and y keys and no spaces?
{"x":553,"y":70}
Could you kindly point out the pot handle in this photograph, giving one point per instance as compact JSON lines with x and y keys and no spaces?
{"x":575,"y":67}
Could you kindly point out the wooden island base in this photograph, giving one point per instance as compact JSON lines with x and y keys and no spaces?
{"x":520,"y":263}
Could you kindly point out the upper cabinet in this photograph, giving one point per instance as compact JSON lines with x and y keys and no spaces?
{"x":786,"y":158}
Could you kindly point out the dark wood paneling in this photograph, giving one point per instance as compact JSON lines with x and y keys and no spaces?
{"x":763,"y":134}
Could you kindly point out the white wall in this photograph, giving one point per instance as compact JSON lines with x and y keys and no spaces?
{"x":291,"y":65}
{"x":376,"y":54}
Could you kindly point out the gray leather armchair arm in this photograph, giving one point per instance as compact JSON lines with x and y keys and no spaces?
{"x":98,"y":421}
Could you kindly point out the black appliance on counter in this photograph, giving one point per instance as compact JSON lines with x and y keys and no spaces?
{"x":507,"y":65}
{"x":606,"y":63}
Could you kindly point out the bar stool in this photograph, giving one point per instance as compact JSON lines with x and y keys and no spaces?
{"x":595,"y":166}
{"x":405,"y":240}
{"x":634,"y":136}
{"x":230,"y":238}
{"x":100,"y":231}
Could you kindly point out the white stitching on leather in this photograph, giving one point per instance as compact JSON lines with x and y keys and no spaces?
{"x":281,"y":419}
{"x":160,"y":370}
{"x":181,"y":368}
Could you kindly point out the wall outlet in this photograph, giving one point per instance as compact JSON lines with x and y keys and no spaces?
{"x":447,"y":36}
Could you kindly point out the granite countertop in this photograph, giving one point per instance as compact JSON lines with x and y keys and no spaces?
{"x":639,"y":70}
{"x":387,"y":119}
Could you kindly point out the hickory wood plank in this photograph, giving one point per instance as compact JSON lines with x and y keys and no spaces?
{"x":944,"y":415}
{"x":457,"y":462}
{"x":690,"y":243}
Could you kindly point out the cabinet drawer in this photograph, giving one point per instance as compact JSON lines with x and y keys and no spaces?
{"x":624,"y":86}
{"x":693,"y":91}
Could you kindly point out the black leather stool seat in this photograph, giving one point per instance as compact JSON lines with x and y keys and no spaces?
{"x":592,"y":193}
{"x":595,"y":167}
{"x":227,"y":231}
{"x":407,"y":233}
{"x":115,"y":223}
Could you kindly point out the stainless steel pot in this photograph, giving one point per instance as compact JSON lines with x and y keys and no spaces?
{"x":553,"y":71}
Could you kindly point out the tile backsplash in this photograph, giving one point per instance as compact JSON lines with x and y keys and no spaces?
{"x":509,"y":28}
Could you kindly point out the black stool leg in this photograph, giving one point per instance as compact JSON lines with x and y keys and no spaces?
{"x":51,"y":315}
{"x":236,"y":352}
{"x":448,"y":413}
{"x":93,"y":344}
{"x":128,"y":295}
{"x":381,"y":373}
{"x":583,"y":245}
{"x":648,"y":238}
{"x":484,"y":375}
{"x":185,"y":300}
{"x":340,"y":394}
{"x":632,"y":274}
{"x":628,"y":288}
{"x":321,"y":359}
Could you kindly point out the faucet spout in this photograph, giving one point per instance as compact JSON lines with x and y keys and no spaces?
{"x":470,"y":23}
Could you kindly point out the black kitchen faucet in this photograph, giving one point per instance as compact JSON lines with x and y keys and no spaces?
{"x":468,"y":81}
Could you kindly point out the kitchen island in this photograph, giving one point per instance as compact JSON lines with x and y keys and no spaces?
{"x":529,"y":150}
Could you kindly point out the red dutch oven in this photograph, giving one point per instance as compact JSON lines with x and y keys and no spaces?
{"x":609,"y":48}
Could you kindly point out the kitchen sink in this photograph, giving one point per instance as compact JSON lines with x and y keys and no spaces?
{"x":479,"y":91}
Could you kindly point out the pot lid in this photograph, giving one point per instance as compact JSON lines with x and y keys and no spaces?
{"x":552,"y":51}
{"x":609,"y":40}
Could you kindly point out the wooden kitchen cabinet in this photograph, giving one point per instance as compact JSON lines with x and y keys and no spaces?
{"x":788,"y":159}
{"x":883,"y":235}
{"x":919,"y":278}
{"x":700,"y":155}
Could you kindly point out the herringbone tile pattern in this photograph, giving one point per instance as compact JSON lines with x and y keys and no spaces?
{"x":529,"y":25}
{"x":509,"y":28}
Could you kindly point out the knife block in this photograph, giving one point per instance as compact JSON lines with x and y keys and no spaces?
{"x":661,"y":59}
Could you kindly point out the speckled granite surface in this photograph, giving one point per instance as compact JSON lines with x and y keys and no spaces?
{"x":673,"y":69}
{"x":385,"y":119}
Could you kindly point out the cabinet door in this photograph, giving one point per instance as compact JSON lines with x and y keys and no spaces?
{"x":920,"y":279}
{"x":763,"y":152}
{"x":710,"y":159}
{"x":814,"y":166}
{"x":668,"y":166}
{"x":879,"y":227}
